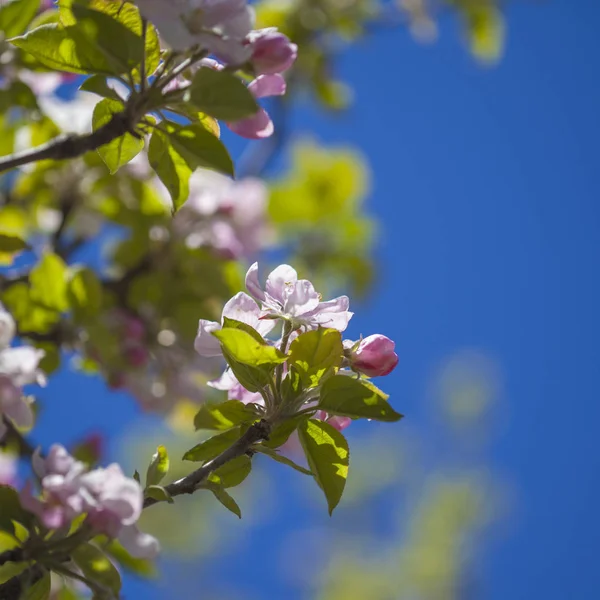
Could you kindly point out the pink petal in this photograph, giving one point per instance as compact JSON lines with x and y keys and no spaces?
{"x":267,"y":85}
{"x":257,"y":127}
{"x":253,"y":285}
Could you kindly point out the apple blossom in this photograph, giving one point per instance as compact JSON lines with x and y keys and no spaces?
{"x":373,"y":356}
{"x":295,"y":300}
{"x":260,"y":126}
{"x":112,"y":502}
{"x":272,"y":51}
{"x":241,"y":308}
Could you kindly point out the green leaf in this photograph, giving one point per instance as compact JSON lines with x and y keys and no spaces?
{"x":159,"y":493}
{"x":11,"y":510}
{"x":282,"y":432}
{"x":199,"y":147}
{"x":223,"y":497}
{"x":234,"y":324}
{"x":40,"y":590}
{"x":159,"y":467}
{"x":12,"y":243}
{"x":121,"y":47}
{"x":63,"y":49}
{"x":98,"y":84}
{"x":139,"y":566}
{"x":356,"y":398}
{"x":315,"y":353}
{"x":280,"y":458}
{"x":246,"y":349}
{"x":30,"y":316}
{"x":252,"y":361}
{"x":170,"y":167}
{"x":96,"y":566}
{"x":213,"y":446}
{"x":16,"y":15}
{"x":21,"y":532}
{"x":328,"y":456}
{"x":232,"y":473}
{"x":223,"y":415}
{"x":121,"y":150}
{"x":49,"y":282}
{"x":221,"y":95}
{"x":84,"y":292}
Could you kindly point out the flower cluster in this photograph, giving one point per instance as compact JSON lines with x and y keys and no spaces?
{"x":223,"y":28}
{"x":225,"y":215}
{"x":296,"y":305}
{"x":18,"y":367}
{"x":112,"y":502}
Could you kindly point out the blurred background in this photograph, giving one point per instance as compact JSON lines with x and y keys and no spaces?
{"x":477,"y":251}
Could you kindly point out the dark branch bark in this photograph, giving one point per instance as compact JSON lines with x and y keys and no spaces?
{"x":14,"y":588}
{"x":188,"y":484}
{"x":71,"y":146}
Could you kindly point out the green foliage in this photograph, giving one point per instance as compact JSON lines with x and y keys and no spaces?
{"x":138,"y":566}
{"x":213,"y":446}
{"x":221,"y":95}
{"x":84,"y":293}
{"x":328,"y":456}
{"x":224,"y":415}
{"x":15,"y":15}
{"x":158,"y":468}
{"x":280,"y":458}
{"x":281,"y":432}
{"x":252,"y":361}
{"x":40,"y":590}
{"x":356,"y":398}
{"x":158,"y":493}
{"x":223,"y":497}
{"x":49,"y":283}
{"x":316,"y":353}
{"x":96,"y":567}
{"x":232,"y":473}
{"x":98,"y":84}
{"x":11,"y":510}
{"x":121,"y":150}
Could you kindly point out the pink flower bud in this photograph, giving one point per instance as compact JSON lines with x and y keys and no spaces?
{"x":374,"y":356}
{"x":272,"y":51}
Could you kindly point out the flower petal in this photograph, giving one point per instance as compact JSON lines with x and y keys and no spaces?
{"x":253,"y":285}
{"x":205,"y":343}
{"x":137,"y":543}
{"x":257,"y":127}
{"x":278,"y":281}
{"x":267,"y":85}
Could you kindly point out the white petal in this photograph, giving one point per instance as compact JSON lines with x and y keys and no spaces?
{"x":138,"y":544}
{"x":278,"y":280}
{"x":252,"y":284}
{"x":207,"y":344}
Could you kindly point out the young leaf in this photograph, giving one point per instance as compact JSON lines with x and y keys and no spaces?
{"x":221,"y":95}
{"x":170,"y":167}
{"x":15,"y":15}
{"x":122,"y":48}
{"x":96,"y":566}
{"x":49,"y":283}
{"x":40,"y":590}
{"x":282,"y":432}
{"x":212,"y":446}
{"x":280,"y":458}
{"x":232,"y":473}
{"x":223,"y":415}
{"x":328,"y":456}
{"x":97,"y":84}
{"x":63,"y":49}
{"x":223,"y":497}
{"x":84,"y":293}
{"x":246,"y":349}
{"x":356,"y":398}
{"x":159,"y":467}
{"x":200,"y":148}
{"x":159,"y":494}
{"x":139,"y":566}
{"x":11,"y":510}
{"x":121,"y":150}
{"x":315,"y":352}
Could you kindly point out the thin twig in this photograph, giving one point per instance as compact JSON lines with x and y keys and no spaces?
{"x":188,"y":484}
{"x":71,"y":146}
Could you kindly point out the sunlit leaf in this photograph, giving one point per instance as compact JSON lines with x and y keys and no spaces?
{"x":223,"y":415}
{"x":280,"y":458}
{"x":213,"y":446}
{"x":96,"y":566}
{"x":49,"y":282}
{"x":15,"y":15}
{"x":315,"y":353}
{"x":159,"y":466}
{"x":328,"y":456}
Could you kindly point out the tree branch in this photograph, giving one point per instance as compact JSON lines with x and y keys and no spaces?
{"x":188,"y":484}
{"x":71,"y":146}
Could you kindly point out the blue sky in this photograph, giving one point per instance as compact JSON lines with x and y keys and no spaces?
{"x":487,"y":185}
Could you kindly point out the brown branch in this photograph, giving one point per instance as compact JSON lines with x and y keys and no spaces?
{"x":71,"y":146}
{"x":188,"y":484}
